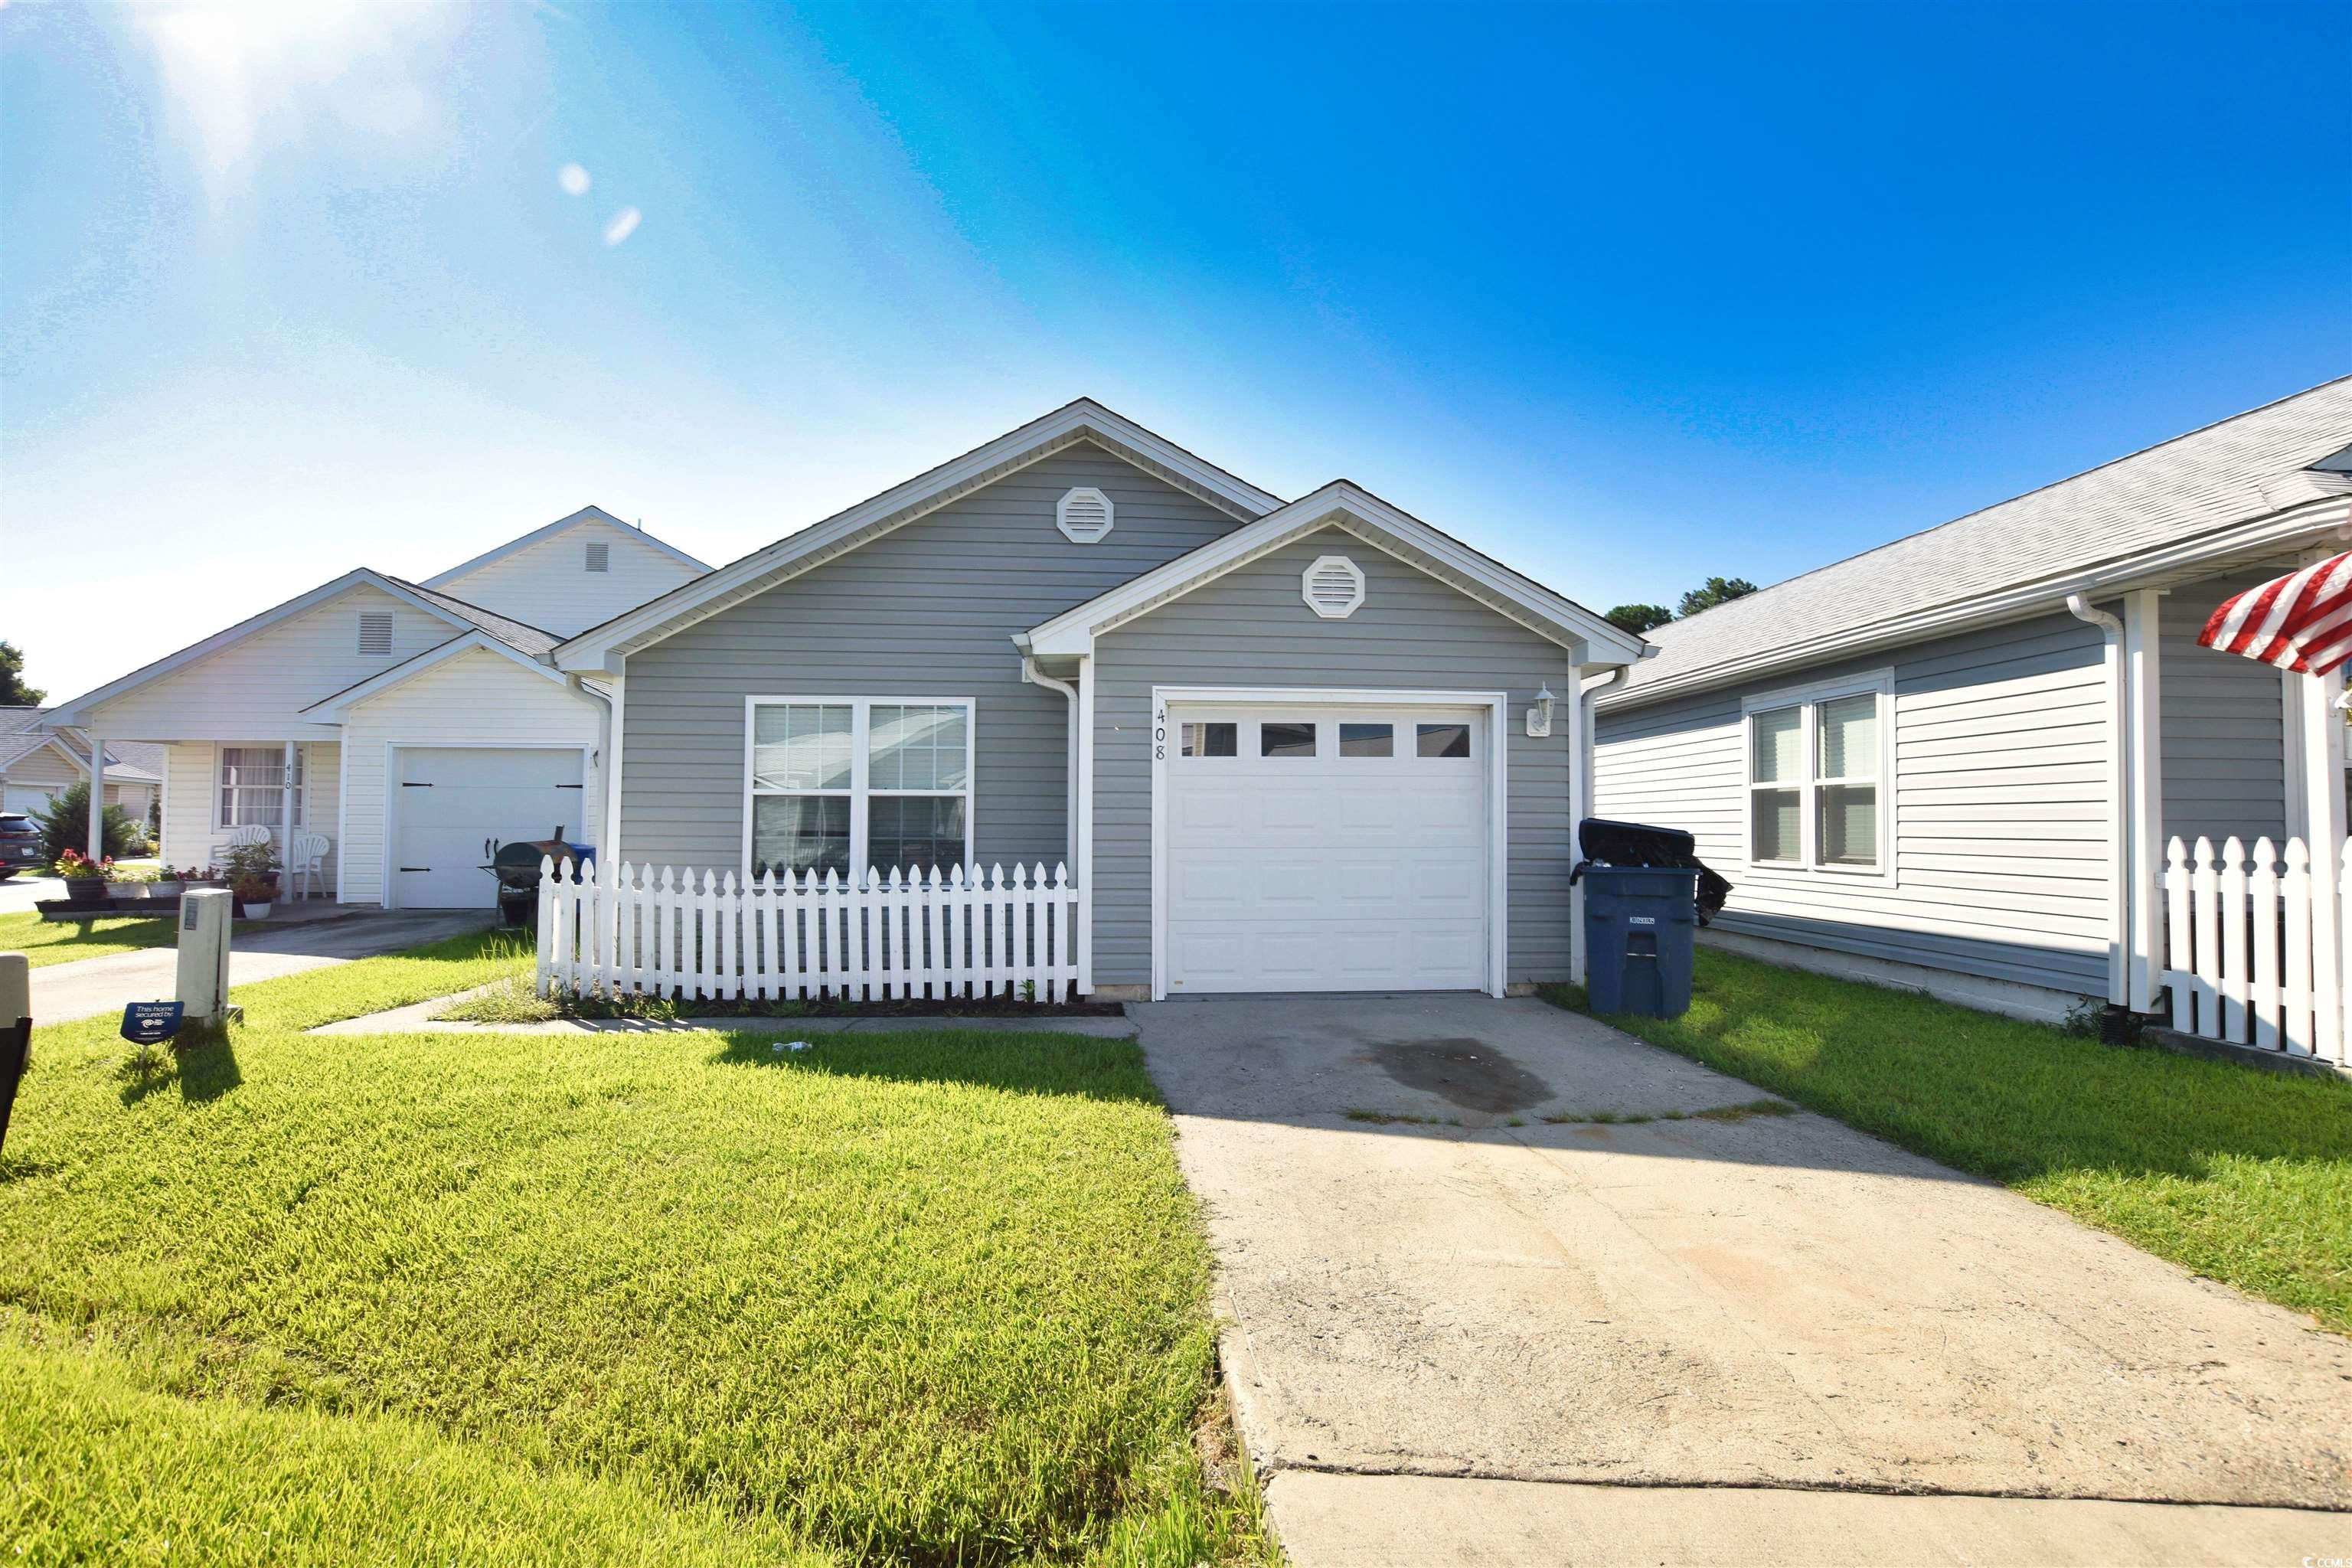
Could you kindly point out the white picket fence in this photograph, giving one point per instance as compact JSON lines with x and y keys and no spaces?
{"x":2244,"y":960}
{"x":896,"y":937}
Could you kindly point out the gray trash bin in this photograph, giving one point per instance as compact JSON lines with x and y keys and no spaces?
{"x":1639,"y":926}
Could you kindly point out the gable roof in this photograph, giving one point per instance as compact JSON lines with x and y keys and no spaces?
{"x":21,"y":736}
{"x":586,"y":514}
{"x":1344,"y":505}
{"x":1083,"y":420}
{"x":517,"y":634}
{"x":76,"y":713}
{"x":333,"y":707}
{"x":2180,"y":497}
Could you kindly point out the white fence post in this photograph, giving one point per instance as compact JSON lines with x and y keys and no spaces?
{"x":2251,"y":957}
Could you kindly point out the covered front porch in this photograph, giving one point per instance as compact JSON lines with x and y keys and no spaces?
{"x":2232,"y":876}
{"x":286,"y":788}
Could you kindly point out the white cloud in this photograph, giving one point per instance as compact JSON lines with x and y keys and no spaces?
{"x":573,"y":179}
{"x":624,"y":224}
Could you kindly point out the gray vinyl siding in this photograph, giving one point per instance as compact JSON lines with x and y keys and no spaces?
{"x":1250,"y":627}
{"x":928,"y":610}
{"x":2002,"y":808}
{"x":2224,"y":724}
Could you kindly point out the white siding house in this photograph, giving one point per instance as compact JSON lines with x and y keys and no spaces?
{"x":315,"y":717}
{"x":2043,"y":729}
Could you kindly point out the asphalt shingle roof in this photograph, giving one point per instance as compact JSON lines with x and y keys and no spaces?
{"x":2169,"y":493}
{"x":516,"y":635}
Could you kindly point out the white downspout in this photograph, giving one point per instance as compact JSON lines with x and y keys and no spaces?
{"x":97,"y":797}
{"x":1035,"y":677}
{"x":2143,"y":669}
{"x":1584,"y":716}
{"x":2118,"y":799}
{"x":604,"y":701}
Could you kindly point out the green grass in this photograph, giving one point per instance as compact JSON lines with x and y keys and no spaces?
{"x":2240,"y":1174}
{"x":61,"y":942}
{"x":924,"y":1298}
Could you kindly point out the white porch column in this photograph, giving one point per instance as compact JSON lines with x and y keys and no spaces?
{"x":97,"y":797}
{"x":2145,"y":830}
{"x":286,"y":812}
{"x":2323,"y":799}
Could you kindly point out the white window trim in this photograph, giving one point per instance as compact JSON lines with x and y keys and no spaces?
{"x":858,"y":792}
{"x":277,"y":748}
{"x":1808,"y":698}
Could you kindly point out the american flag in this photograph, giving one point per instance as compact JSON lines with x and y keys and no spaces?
{"x":2302,"y":621}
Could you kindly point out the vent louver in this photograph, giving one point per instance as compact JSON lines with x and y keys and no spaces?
{"x":1084,"y":514}
{"x":375,"y":632}
{"x":1333,"y":587}
{"x":600,"y":557}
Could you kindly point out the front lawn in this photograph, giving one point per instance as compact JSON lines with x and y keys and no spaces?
{"x":919,"y":1298}
{"x":61,"y":942}
{"x":2240,"y":1174}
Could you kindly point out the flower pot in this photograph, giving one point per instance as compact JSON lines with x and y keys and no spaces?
{"x":126,"y":890}
{"x":86,"y":889}
{"x":255,"y":912}
{"x":166,"y":890}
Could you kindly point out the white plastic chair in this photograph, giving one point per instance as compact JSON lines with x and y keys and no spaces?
{"x":250,"y":833}
{"x":306,"y":858}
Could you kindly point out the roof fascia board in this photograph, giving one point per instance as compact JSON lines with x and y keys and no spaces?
{"x":76,"y":714}
{"x":585,"y":514}
{"x":2302,"y":524}
{"x":598,"y":647}
{"x":1366,"y":517}
{"x":333,"y":708}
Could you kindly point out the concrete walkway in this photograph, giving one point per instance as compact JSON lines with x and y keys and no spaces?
{"x":92,"y":986}
{"x":1459,"y":1330}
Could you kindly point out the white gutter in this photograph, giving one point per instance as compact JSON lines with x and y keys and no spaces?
{"x":2119,"y":752}
{"x":1035,"y":677}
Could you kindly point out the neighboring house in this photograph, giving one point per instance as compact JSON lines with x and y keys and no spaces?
{"x":1281,"y":746}
{"x":39,"y":762}
{"x":410,"y":725}
{"x":1955,"y":760}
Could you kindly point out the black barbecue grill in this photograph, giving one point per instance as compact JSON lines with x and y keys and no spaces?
{"x":516,"y":866}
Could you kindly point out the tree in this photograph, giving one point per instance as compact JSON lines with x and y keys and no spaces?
{"x":14,"y":693}
{"x":1638,"y":619}
{"x":1713,"y":591}
{"x":65,"y":826}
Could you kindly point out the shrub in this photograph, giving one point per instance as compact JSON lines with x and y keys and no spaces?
{"x":65,"y":826}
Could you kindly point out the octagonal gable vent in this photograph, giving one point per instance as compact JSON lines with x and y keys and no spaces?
{"x":1084,"y":514}
{"x":1333,"y":587}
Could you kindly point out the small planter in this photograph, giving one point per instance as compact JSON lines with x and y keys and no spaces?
{"x":166,"y":890}
{"x":254,"y":912}
{"x":127,"y":890}
{"x":86,"y":889}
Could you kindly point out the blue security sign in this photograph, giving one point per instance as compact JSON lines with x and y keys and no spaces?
{"x":151,"y":1023}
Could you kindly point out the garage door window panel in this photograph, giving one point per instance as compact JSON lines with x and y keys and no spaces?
{"x":1285,"y":738}
{"x":1367,"y":739}
{"x":854,"y":784}
{"x":1442,"y":741}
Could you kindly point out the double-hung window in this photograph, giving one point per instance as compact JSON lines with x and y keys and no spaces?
{"x":1818,"y":762}
{"x":253,"y":786}
{"x":852,"y":785}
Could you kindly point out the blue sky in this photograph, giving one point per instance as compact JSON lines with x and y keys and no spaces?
{"x":1625,"y":296}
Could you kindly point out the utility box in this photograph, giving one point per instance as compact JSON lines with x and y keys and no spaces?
{"x":1641,"y":924}
{"x":204,"y":952}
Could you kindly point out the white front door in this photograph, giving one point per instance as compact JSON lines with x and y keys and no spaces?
{"x":1326,"y":848}
{"x":457,"y":803}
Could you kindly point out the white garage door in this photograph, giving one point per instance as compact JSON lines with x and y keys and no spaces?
{"x":27,"y":798}
{"x":455,"y":803}
{"x":1326,"y":850}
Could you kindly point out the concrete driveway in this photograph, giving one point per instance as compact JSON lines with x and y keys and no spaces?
{"x":92,"y":985}
{"x":1460,"y":1330}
